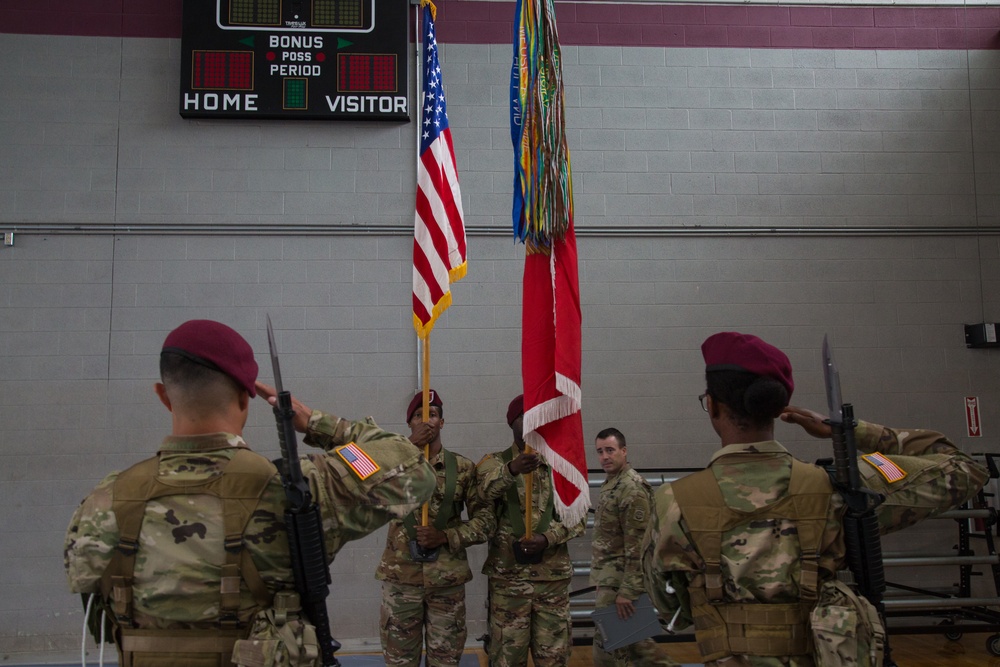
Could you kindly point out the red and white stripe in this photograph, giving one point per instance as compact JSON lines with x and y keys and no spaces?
{"x":439,"y":233}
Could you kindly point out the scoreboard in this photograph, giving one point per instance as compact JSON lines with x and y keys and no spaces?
{"x":288,"y":59}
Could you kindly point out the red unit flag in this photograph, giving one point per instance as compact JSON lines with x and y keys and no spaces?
{"x":550,"y":370}
{"x":542,"y":217}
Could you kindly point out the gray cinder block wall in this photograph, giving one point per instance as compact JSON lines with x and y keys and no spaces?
{"x":880,"y":168}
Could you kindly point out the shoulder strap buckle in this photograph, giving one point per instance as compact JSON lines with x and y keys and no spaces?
{"x":233,"y":544}
{"x":128,"y":546}
{"x":229,"y":620}
{"x":713,"y":583}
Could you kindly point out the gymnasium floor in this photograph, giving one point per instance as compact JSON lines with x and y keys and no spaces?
{"x":908,"y":651}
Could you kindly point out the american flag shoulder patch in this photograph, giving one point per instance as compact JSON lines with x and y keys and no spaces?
{"x":885,"y":467}
{"x":357,"y":460}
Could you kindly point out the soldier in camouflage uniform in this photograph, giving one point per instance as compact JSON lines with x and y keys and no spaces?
{"x":189,"y":593}
{"x":528,"y":603}
{"x":761,"y":561}
{"x":616,"y":564}
{"x":427,"y":599}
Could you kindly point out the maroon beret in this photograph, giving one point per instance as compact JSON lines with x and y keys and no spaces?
{"x":216,"y":346}
{"x":515,"y":409}
{"x":418,"y":401}
{"x":731,"y":351}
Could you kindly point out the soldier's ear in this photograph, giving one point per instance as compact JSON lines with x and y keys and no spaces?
{"x":161,"y":393}
{"x":714,"y":409}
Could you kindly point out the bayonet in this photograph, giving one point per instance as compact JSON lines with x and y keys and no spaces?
{"x":276,"y":367}
{"x":832,"y":379}
{"x":303,"y":522}
{"x":841,"y":425}
{"x":861,"y":531}
{"x":291,"y":477}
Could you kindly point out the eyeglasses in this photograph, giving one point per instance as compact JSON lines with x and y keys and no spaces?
{"x":701,"y":399}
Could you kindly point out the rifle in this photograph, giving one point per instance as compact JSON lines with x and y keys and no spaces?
{"x":303,"y":522}
{"x":861,"y":534}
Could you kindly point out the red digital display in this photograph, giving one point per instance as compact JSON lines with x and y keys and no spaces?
{"x":222,"y":70}
{"x":367,"y":73}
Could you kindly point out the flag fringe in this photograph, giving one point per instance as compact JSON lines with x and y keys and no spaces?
{"x":551,"y":410}
{"x":457,"y":273}
{"x":424,"y":328}
{"x":569,"y":388}
{"x":577,"y":510}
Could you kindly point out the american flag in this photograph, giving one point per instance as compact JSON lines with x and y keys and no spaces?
{"x":439,"y":228}
{"x":358,"y":460}
{"x":886,"y":467}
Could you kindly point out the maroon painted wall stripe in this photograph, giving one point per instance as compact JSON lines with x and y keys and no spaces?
{"x":587,"y":23}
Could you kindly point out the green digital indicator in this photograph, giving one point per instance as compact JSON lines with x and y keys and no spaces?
{"x":296,"y":94}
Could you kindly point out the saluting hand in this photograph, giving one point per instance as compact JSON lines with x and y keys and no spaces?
{"x":811,"y":422}
{"x":302,"y":411}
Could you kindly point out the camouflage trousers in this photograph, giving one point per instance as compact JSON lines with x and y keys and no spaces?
{"x":412,"y":615}
{"x":529,"y":615}
{"x":644,"y":652}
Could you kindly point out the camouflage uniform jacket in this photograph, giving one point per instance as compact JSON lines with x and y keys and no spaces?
{"x":760,"y":562}
{"x":452,"y":565}
{"x":619,"y":526}
{"x":177,"y":571}
{"x":494,"y":480}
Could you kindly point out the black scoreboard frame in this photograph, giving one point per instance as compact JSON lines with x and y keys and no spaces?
{"x":295,"y":59}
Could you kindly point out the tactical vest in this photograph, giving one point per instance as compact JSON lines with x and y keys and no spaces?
{"x":757,"y":629}
{"x":239,"y":487}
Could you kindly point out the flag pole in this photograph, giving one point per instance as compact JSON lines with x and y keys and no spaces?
{"x":439,"y":241}
{"x":528,"y":493}
{"x":426,"y":388}
{"x":425,"y":341}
